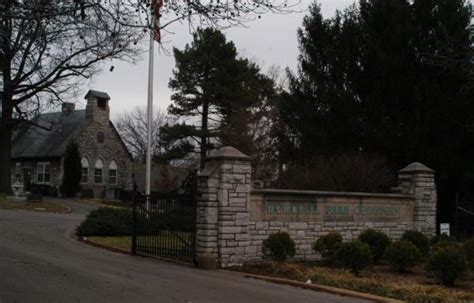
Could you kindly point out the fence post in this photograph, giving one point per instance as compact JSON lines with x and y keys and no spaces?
{"x":194,"y":193}
{"x":134,"y":227}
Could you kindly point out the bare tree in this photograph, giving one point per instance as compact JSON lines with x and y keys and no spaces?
{"x":132,"y":127}
{"x":263,"y":123}
{"x":48,"y":46}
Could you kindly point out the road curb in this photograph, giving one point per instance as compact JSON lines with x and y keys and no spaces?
{"x":318,"y":287}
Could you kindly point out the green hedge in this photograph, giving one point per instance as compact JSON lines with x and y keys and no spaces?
{"x":107,"y":221}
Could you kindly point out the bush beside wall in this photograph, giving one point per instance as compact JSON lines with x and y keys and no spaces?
{"x":402,"y":255}
{"x":377,"y":241}
{"x":279,"y":247}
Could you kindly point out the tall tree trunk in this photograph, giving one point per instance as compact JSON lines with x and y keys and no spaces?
{"x":6,"y":127}
{"x":204,"y":132}
{"x":6,"y":123}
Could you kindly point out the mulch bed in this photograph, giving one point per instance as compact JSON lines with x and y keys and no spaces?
{"x":415,"y":286}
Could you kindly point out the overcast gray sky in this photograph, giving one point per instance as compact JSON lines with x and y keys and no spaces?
{"x":270,"y":40}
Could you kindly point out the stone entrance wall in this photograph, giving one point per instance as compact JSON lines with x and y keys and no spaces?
{"x":233,"y":219}
{"x":307,"y":215}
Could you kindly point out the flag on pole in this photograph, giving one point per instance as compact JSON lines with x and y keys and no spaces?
{"x":157,"y":5}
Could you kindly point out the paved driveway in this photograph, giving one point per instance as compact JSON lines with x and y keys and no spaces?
{"x":41,"y":262}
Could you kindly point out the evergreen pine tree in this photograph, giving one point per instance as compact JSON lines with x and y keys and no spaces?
{"x":211,"y":87}
{"x":72,"y":170}
{"x":387,"y":77}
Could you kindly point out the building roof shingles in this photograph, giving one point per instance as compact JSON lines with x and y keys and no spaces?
{"x":35,"y":142}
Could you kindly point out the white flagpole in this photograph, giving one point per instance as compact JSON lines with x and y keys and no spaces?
{"x":149,"y":113}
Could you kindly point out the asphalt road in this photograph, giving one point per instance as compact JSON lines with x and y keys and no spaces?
{"x":41,"y":262}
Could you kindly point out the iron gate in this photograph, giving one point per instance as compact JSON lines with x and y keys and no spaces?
{"x":164,"y":224}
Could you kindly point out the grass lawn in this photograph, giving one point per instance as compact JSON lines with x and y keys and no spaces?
{"x":411,"y":287}
{"x":124,"y":242}
{"x":102,"y":203}
{"x":43,"y":206}
{"x":169,"y":240}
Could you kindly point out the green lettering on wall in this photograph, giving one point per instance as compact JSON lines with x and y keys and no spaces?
{"x":337,"y":210}
{"x":378,"y":211}
{"x":291,"y":208}
{"x":334,"y":211}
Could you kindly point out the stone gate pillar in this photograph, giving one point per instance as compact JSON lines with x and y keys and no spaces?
{"x":418,"y":180}
{"x":223,"y":208}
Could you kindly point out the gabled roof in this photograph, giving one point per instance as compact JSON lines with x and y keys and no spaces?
{"x":114,"y":129}
{"x":35,"y":142}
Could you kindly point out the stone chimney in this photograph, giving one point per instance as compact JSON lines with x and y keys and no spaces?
{"x":67,"y":107}
{"x":97,"y":108}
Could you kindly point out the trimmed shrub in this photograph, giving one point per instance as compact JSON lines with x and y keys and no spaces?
{"x":418,"y":239}
{"x":107,"y":221}
{"x":353,"y":255}
{"x":402,"y":255}
{"x":279,"y":247}
{"x":327,"y":245}
{"x":443,"y":240}
{"x":468,"y":247}
{"x":448,"y":264}
{"x":377,"y":241}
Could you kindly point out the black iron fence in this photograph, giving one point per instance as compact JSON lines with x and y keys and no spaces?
{"x":464,"y":216}
{"x":164,"y":225}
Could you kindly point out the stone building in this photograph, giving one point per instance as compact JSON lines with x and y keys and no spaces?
{"x":38,"y":152}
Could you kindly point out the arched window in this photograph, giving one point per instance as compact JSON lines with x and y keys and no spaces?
{"x":84,"y":170}
{"x":98,"y":172}
{"x":113,"y":172}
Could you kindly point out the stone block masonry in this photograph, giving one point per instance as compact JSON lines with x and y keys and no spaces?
{"x":307,"y":215}
{"x":419,"y":181}
{"x":223,"y":208}
{"x":111,"y":148}
{"x":234,"y":220}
